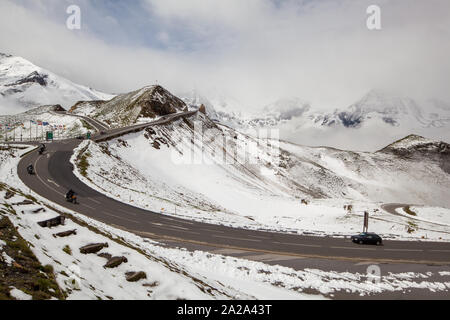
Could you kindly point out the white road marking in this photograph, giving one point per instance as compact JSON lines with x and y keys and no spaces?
{"x":299,"y":244}
{"x":127,"y":212}
{"x":268,"y":257}
{"x":43,"y":182}
{"x":353,"y":248}
{"x":85,"y":205}
{"x":51,"y":181}
{"x":259,"y":237}
{"x":184,"y":222}
{"x":177,"y":227}
{"x":209,"y":230}
{"x":98,"y":202}
{"x":406,"y":250}
{"x":119,"y":217}
{"x":166,"y":227}
{"x":440,"y":250}
{"x":241,"y":239}
{"x":156,"y":224}
{"x":227,"y":251}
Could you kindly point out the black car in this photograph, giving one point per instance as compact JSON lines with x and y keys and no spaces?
{"x":367,"y":238}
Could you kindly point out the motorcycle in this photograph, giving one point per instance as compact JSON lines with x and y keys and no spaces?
{"x":30,"y":170}
{"x":71,"y":197}
{"x":42,"y":149}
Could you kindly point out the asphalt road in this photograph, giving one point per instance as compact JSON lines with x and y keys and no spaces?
{"x":54,"y":177}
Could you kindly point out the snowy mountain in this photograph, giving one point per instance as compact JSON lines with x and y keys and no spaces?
{"x":141,"y":105}
{"x":393,"y":110}
{"x":372,"y":122}
{"x":24,"y":85}
{"x":233,"y":113}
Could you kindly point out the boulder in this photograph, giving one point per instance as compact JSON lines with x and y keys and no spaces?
{"x":93,"y":248}
{"x":65,"y":233}
{"x":135,"y":276}
{"x":9,"y":195}
{"x":52,"y":222}
{"x":115,"y":262}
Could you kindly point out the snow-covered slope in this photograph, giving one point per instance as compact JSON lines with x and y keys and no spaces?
{"x":219,"y":175}
{"x":141,"y":105}
{"x":24,"y":85}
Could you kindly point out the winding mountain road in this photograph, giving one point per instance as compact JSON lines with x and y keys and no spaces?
{"x":54,"y":177}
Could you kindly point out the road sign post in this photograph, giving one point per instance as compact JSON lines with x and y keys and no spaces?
{"x":49,"y":135}
{"x":366,"y":222}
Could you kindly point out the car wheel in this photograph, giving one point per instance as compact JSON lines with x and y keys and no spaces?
{"x":361,"y":242}
{"x":378,"y":243}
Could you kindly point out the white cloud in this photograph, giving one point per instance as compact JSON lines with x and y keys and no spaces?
{"x":254,"y":50}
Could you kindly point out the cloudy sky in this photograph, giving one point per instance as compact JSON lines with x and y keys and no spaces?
{"x":254,"y":50}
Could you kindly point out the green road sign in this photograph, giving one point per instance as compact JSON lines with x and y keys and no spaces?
{"x":88,"y":135}
{"x":49,"y":135}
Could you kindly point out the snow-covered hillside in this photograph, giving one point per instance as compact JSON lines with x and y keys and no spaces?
{"x":219,"y":175}
{"x":24,"y":85}
{"x":141,"y":105}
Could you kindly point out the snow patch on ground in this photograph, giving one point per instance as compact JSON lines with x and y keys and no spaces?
{"x":19,"y":294}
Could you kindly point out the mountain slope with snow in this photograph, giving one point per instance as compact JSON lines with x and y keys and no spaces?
{"x":356,"y":127}
{"x":24,"y":85}
{"x":392,"y":109}
{"x":197,"y":169}
{"x":141,"y":105}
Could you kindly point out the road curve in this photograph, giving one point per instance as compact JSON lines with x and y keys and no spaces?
{"x":54,"y":176}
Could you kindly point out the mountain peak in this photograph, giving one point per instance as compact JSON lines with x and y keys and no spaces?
{"x":418,"y":145}
{"x":140,"y":105}
{"x":5,"y":55}
{"x":27,"y":85}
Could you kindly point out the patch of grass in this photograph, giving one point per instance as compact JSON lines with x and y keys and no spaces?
{"x":83,"y":163}
{"x":412,"y":227}
{"x":67,"y":250}
{"x":87,"y":125}
{"x":47,"y":268}
{"x":25,"y":272}
{"x":409,"y":211}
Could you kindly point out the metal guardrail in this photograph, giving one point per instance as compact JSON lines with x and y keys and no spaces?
{"x":102,"y":138}
{"x":141,"y":127}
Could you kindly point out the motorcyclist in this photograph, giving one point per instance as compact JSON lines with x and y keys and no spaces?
{"x":42,"y":148}
{"x":30,"y":169}
{"x":70,"y":196}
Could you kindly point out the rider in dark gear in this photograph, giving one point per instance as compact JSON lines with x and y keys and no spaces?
{"x":30,"y":169}
{"x":42,"y":148}
{"x":70,"y":196}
